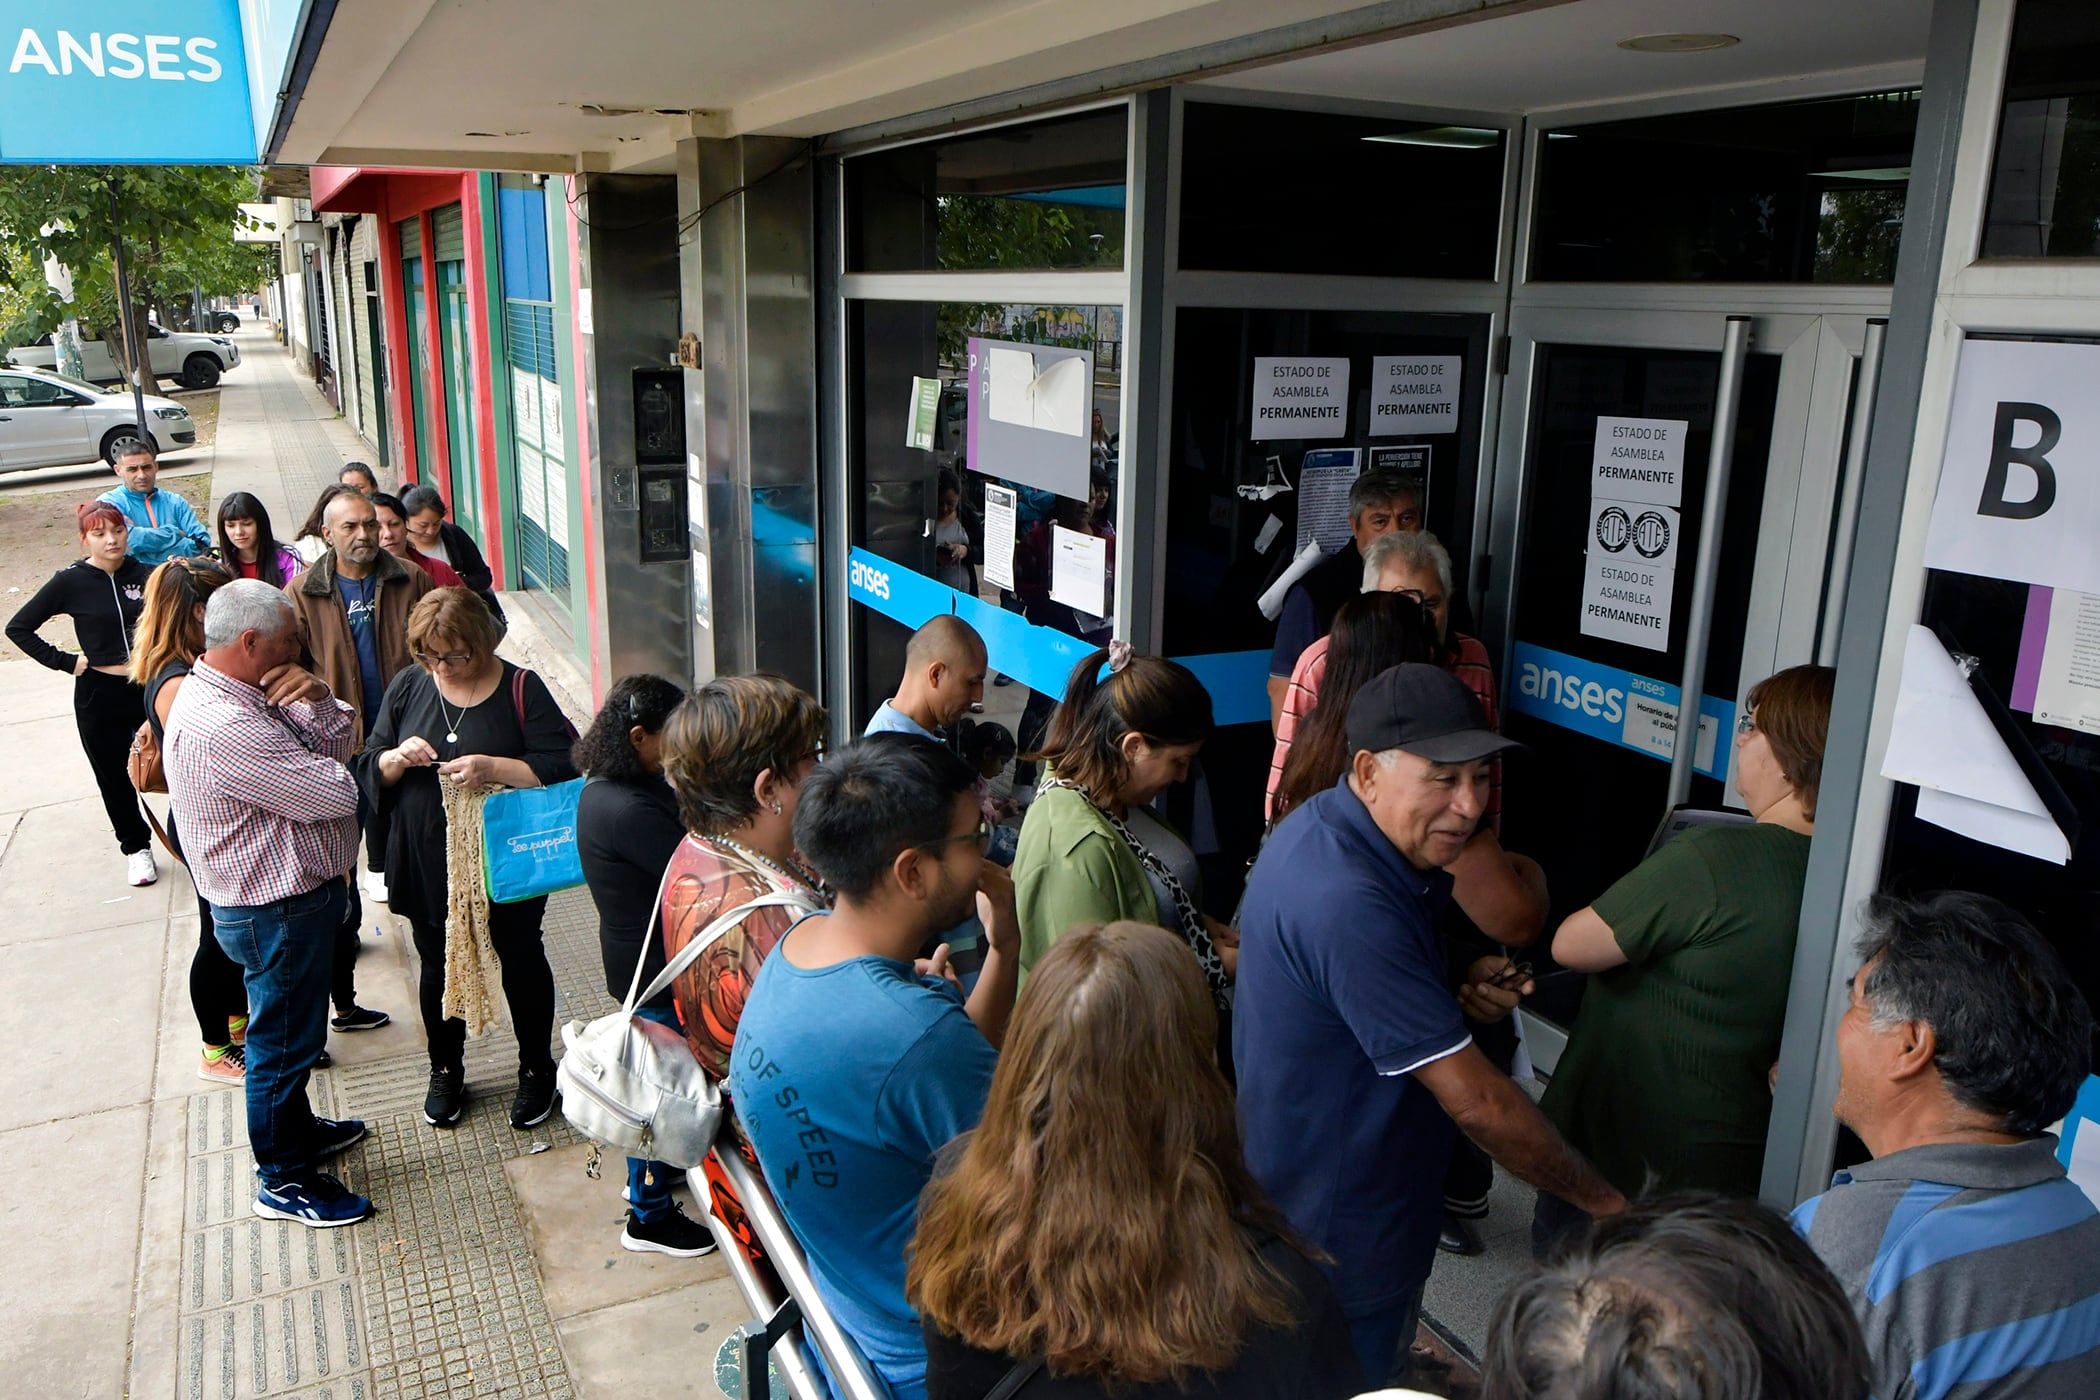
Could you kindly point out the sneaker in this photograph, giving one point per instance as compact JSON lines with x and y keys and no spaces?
{"x":535,"y":1100}
{"x":230,"y":1068}
{"x":360,"y":1018}
{"x":333,"y":1135}
{"x":674,"y":1234}
{"x":324,"y":1060}
{"x":447,"y":1098}
{"x":375,"y":887}
{"x":319,"y":1201}
{"x":139,"y":868}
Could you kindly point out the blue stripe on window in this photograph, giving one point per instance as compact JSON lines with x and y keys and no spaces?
{"x":1997,"y":1352}
{"x":1917,"y":1202}
{"x":2025,"y":1214}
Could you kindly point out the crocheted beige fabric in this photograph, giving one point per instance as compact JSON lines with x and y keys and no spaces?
{"x":473,"y":972}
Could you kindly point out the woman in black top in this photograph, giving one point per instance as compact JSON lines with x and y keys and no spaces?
{"x":169,"y":637}
{"x":102,"y":594}
{"x":430,"y":532}
{"x":1100,"y":1230}
{"x":627,"y":826}
{"x":463,"y":714}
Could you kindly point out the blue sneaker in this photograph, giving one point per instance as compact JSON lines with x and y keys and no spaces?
{"x":319,"y":1201}
{"x":332,"y":1136}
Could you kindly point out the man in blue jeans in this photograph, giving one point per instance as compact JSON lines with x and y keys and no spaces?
{"x":254,"y":755}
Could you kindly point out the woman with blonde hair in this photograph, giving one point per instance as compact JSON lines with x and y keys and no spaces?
{"x":167,"y":641}
{"x":464,"y":715}
{"x":1098,"y":1233}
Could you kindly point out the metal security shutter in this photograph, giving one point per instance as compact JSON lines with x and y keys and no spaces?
{"x":364,"y":251}
{"x":411,"y":231}
{"x":448,"y":234}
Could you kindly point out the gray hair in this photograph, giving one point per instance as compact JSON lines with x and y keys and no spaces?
{"x":1412,"y":549}
{"x":245,"y":605}
{"x":1381,"y":488}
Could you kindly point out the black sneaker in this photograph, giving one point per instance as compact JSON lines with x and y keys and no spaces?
{"x":335,"y":1135}
{"x":674,"y":1234}
{"x":447,"y":1098}
{"x":324,"y":1060}
{"x":360,"y":1018}
{"x":535,"y":1100}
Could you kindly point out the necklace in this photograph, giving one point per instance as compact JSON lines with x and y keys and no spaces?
{"x":799,"y":875}
{"x":451,"y":725}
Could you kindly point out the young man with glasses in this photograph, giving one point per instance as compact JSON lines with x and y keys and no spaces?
{"x":853,"y":1065}
{"x":352,"y":604}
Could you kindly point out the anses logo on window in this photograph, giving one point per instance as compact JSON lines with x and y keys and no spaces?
{"x":872,"y":581}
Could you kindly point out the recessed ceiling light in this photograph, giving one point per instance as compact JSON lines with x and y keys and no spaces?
{"x":1679,"y":43}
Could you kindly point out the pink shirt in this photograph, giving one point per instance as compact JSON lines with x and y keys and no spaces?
{"x":266,"y":808}
{"x":1469,"y":663}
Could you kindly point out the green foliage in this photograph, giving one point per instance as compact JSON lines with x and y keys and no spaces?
{"x":178,"y":223}
{"x":1857,"y":237}
{"x":977,"y":233}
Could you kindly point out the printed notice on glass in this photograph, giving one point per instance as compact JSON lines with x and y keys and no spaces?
{"x":1414,"y":394}
{"x":1079,"y":571}
{"x":1300,"y":398}
{"x":1639,"y":459}
{"x":1001,"y":505}
{"x":925,"y":404}
{"x":2067,"y":692}
{"x":1324,"y":479}
{"x":1629,"y":572}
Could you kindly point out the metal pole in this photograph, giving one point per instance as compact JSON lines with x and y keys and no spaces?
{"x":1735,"y":345}
{"x":1855,"y":482}
{"x":124,"y":317}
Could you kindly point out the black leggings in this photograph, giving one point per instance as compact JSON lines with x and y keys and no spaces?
{"x":218,"y":985}
{"x":342,"y":971}
{"x":528,"y":985}
{"x":108,"y":710}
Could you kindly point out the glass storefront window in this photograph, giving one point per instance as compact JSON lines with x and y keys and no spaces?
{"x":2045,"y":175}
{"x":1801,"y":192}
{"x":1268,"y":189}
{"x":1040,"y":196}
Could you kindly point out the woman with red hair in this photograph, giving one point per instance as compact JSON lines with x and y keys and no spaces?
{"x":103,"y":594}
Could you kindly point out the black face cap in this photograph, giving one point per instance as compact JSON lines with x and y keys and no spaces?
{"x":1426,"y":711}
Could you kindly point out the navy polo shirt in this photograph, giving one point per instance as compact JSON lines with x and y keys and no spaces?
{"x":1342,"y":994}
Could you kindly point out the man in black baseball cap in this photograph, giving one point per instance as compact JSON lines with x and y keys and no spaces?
{"x":1356,"y":1068}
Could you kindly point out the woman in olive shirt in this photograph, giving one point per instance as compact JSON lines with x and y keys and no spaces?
{"x":1665,"y":1082}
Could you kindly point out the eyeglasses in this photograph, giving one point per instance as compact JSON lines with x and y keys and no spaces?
{"x":450,"y":658}
{"x":982,"y":836}
{"x":1746,"y":725}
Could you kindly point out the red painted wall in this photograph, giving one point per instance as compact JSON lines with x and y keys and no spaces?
{"x":492,"y":541}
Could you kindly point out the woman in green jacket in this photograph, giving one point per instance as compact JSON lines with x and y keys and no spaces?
{"x":1091,"y":849}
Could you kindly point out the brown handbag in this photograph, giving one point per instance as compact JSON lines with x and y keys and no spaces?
{"x":144,"y":764}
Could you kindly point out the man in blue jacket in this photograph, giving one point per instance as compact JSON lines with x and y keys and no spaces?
{"x":163,"y":526}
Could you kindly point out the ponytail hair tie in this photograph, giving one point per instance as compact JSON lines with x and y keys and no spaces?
{"x":1119,"y":654}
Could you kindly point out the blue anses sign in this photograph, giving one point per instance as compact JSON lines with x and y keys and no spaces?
{"x":1042,"y":658}
{"x":1619,"y":707}
{"x":126,"y":82}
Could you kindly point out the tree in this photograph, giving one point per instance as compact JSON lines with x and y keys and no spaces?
{"x":975,"y":232}
{"x":177,"y":222}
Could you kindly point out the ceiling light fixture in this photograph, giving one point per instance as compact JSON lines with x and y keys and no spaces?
{"x":1679,"y":43}
{"x":1449,"y":138}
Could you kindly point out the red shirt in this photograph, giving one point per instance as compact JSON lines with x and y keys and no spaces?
{"x":441,"y":573}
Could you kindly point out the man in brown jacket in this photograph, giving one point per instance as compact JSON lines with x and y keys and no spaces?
{"x":353,"y":604}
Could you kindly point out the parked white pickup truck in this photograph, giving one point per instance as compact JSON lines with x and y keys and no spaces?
{"x":196,"y":361}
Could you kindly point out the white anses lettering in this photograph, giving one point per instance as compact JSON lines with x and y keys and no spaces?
{"x":1571,"y":692}
{"x":875,"y":582}
{"x":155,"y":56}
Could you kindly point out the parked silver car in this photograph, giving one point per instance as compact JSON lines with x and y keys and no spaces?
{"x":49,"y":420}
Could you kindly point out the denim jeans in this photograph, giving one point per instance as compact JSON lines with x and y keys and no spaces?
{"x":651,"y":1198}
{"x":1381,"y":1339}
{"x":284,"y":951}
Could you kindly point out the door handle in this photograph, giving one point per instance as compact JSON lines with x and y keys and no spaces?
{"x":5,"y":419}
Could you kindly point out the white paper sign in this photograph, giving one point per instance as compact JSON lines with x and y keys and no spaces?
{"x":1323,"y":497}
{"x":2019,"y":493}
{"x":1300,"y":398}
{"x":2067,"y":691}
{"x":1079,"y":570}
{"x":1001,"y":506}
{"x":1414,"y":394}
{"x":1652,"y":725}
{"x":1639,"y":459}
{"x":1054,"y":400}
{"x":1631,"y":533}
{"x":1627,"y":601}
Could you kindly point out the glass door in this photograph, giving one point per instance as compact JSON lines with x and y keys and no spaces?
{"x":1611,"y":415}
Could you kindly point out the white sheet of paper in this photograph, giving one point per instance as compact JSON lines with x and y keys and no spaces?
{"x":1323,"y":505}
{"x":2084,"y":1167}
{"x":1012,"y":376}
{"x":2067,"y":692}
{"x":1271,"y":602}
{"x":1079,"y":570}
{"x":1266,"y":536}
{"x":1000,"y":508}
{"x":1054,"y":400}
{"x":1943,"y":741}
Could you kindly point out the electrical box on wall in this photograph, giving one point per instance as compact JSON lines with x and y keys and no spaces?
{"x":663,"y":522}
{"x":659,"y":417}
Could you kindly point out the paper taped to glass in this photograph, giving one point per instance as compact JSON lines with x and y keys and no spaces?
{"x":1052,"y":397}
{"x":1968,"y":781}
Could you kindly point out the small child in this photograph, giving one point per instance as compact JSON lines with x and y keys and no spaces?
{"x":989,"y":748}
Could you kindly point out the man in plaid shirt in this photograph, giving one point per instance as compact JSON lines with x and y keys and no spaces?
{"x":268,"y":815}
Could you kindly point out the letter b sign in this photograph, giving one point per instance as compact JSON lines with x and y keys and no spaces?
{"x":2034,"y":457}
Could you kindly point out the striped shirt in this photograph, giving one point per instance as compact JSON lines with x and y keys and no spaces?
{"x":266,"y":807}
{"x":1975,"y":1271}
{"x":1469,"y":662}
